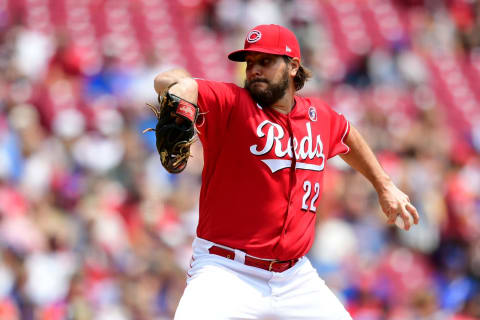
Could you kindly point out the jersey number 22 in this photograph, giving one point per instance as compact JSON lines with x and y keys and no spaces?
{"x":307,"y":187}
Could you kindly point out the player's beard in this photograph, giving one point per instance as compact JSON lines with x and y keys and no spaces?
{"x":273,"y":92}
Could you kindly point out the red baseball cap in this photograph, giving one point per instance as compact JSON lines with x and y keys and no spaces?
{"x":268,"y":38}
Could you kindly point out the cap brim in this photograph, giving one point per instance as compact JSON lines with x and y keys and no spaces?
{"x":239,"y":55}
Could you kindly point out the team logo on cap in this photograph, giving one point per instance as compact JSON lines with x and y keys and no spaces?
{"x":253,"y":36}
{"x":312,"y":113}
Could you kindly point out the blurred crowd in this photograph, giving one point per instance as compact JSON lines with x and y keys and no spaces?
{"x":92,"y":227}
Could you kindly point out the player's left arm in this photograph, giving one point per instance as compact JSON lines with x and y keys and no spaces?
{"x":392,"y":200}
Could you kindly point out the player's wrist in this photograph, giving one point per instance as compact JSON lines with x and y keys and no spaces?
{"x":383,"y":184}
{"x":186,"y":89}
{"x":164,"y":79}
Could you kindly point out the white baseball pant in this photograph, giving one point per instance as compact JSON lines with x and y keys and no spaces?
{"x":224,"y":289}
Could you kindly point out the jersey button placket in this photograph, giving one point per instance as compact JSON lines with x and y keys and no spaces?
{"x":291,"y":179}
{"x":294,"y":162}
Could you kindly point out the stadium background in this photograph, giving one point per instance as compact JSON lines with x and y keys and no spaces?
{"x":92,"y":227}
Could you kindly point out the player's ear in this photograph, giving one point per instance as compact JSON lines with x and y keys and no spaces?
{"x":294,"y":65}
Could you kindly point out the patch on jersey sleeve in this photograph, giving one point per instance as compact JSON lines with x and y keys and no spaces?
{"x":312,"y":113}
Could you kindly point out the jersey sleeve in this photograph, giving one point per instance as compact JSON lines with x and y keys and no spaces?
{"x":339,"y":129}
{"x":215,"y":100}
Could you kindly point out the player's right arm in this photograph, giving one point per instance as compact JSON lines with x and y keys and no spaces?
{"x":186,"y":87}
{"x":392,"y":200}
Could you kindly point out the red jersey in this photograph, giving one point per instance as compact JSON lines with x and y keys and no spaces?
{"x":263,"y":170}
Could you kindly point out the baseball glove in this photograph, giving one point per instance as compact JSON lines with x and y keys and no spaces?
{"x":175,"y":130}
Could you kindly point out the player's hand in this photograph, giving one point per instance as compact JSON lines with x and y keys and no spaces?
{"x":396,"y":203}
{"x":178,"y":120}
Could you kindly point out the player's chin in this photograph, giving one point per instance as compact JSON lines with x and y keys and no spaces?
{"x":258,"y":89}
{"x":258,"y":86}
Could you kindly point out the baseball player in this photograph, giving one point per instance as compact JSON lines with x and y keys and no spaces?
{"x":265,"y":151}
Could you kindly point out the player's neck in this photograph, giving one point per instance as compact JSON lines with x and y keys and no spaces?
{"x":286,"y":103}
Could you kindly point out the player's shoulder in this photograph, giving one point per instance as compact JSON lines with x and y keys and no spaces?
{"x":316,"y":102}
{"x":217,"y":85}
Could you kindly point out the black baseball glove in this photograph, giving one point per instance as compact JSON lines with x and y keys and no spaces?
{"x":175,"y":130}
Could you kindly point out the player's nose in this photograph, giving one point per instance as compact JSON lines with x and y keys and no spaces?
{"x":254,"y":70}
